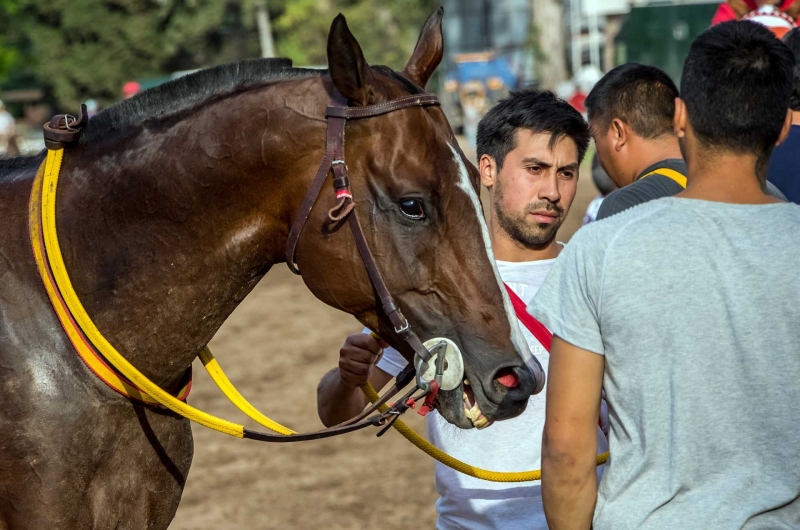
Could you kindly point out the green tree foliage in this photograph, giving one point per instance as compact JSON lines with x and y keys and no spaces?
{"x":83,"y":49}
{"x":89,"y":48}
{"x":387,"y":31}
{"x":10,"y":52}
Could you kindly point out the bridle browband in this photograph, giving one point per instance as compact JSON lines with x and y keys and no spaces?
{"x":337,"y":115}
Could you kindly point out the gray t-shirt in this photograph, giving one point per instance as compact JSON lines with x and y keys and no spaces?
{"x":696,"y":307}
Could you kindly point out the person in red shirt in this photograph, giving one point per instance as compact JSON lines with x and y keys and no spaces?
{"x":736,"y":9}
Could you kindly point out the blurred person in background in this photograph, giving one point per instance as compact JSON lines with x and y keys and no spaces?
{"x":130,"y":89}
{"x":784,"y":166}
{"x":631,"y":113}
{"x":736,"y":9}
{"x":604,"y":185}
{"x":530,"y":146}
{"x":8,"y":129}
{"x":92,"y":107}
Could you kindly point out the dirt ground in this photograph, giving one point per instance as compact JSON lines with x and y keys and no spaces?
{"x":275,"y":347}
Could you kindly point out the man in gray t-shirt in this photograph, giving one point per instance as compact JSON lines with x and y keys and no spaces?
{"x":687,"y":311}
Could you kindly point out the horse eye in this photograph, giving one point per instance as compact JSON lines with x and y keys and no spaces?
{"x":412,"y":208}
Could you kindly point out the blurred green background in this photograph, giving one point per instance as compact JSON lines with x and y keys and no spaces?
{"x":74,"y":50}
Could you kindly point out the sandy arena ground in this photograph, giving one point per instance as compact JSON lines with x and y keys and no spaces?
{"x":275,"y":347}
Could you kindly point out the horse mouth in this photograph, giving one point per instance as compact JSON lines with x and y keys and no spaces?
{"x":472,"y":410}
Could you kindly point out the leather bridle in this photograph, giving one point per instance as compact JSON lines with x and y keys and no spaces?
{"x":337,"y":115}
{"x":65,"y":130}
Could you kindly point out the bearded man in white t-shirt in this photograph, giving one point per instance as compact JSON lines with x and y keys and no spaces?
{"x":530,"y":146}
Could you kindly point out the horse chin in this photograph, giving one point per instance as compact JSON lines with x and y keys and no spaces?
{"x":450,"y":406}
{"x":460,"y":407}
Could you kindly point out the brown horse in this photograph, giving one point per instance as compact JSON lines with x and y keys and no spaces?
{"x":171,"y":208}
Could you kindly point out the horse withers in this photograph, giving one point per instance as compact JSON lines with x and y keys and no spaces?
{"x":171,"y":208}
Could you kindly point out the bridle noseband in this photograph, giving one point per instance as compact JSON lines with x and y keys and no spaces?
{"x":337,"y":115}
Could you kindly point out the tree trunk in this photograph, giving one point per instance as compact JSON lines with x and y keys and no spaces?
{"x":549,"y":27}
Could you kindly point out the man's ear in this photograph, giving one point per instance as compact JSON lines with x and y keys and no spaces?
{"x":679,"y":119}
{"x":621,"y":133}
{"x":350,"y":73}
{"x":429,"y":50}
{"x":488,"y":170}
{"x":787,"y":126}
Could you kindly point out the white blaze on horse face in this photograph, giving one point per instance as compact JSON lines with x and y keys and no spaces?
{"x":516,"y":335}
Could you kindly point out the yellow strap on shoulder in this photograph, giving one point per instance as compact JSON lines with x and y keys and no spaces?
{"x":50,"y":184}
{"x":670,"y":174}
{"x":454,"y":463}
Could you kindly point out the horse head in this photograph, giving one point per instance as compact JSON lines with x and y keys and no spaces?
{"x":417,"y":198}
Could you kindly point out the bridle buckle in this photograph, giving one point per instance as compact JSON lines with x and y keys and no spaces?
{"x":402,"y":328}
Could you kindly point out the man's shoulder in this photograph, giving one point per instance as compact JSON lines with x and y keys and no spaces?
{"x":601,"y":233}
{"x":643,"y":190}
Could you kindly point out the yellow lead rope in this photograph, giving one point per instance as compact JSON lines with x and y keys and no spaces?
{"x":49,"y":174}
{"x":454,"y":463}
{"x":51,"y":171}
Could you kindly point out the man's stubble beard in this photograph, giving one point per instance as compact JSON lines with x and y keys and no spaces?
{"x":533,"y":236}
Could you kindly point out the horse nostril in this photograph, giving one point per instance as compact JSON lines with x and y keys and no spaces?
{"x":508,"y":378}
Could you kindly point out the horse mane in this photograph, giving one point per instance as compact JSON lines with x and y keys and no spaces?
{"x":189,"y":91}
{"x":10,"y":165}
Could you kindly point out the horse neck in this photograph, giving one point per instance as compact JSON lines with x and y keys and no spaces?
{"x":165,"y":236}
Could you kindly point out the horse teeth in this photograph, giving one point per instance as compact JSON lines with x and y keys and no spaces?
{"x":481,"y":423}
{"x":466,"y":382}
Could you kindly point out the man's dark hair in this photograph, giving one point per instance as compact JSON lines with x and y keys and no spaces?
{"x":792,"y":40}
{"x":539,"y":111}
{"x":736,"y":84}
{"x":640,"y":95}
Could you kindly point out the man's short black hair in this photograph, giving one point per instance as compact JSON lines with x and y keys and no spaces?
{"x":792,"y":40}
{"x":736,"y":84}
{"x":640,"y":95}
{"x":539,"y":111}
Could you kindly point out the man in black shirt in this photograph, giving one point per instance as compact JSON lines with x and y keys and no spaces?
{"x":631,"y":111}
{"x":630,"y":115}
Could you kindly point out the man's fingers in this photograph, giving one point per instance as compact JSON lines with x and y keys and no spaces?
{"x":359,"y":355}
{"x":364,"y":341}
{"x":355,"y":367}
{"x":354,"y":374}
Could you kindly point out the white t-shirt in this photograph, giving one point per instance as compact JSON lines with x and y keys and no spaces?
{"x":467,"y":503}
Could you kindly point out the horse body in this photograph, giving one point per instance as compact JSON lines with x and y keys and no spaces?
{"x":73,"y":455}
{"x":168,"y":221}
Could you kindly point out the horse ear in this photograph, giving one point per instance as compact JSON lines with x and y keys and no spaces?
{"x":350,"y":73}
{"x":428,"y":52}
